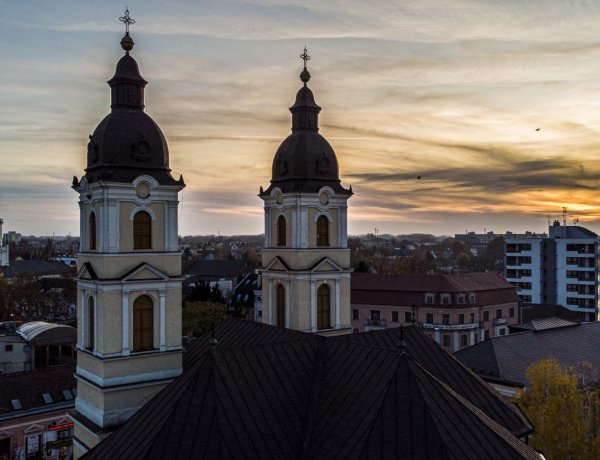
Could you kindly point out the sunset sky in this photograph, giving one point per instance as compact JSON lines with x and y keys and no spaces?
{"x":453,"y":91}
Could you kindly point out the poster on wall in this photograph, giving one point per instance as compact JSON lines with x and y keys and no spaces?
{"x":33,"y":444}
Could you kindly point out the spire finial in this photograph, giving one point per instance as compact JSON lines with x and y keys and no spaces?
{"x":127,"y":42}
{"x":305,"y":75}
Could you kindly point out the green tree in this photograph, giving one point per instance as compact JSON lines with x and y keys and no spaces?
{"x":199,"y":317}
{"x":563,"y":411}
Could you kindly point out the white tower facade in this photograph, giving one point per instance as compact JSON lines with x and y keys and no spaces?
{"x":129,"y":265}
{"x":306,"y":260}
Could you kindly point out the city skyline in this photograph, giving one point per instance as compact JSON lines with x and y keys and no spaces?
{"x":445,"y":116}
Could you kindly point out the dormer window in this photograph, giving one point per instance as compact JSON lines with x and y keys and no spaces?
{"x":445,"y":299}
{"x":472,"y":298}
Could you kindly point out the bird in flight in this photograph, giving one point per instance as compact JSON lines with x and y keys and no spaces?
{"x":537,"y":129}
{"x":418,"y":177}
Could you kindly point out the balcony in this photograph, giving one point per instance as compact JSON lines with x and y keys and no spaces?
{"x":500,"y":321}
{"x":374,"y":324}
{"x":449,"y":327}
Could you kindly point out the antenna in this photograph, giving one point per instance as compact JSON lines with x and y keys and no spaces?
{"x":564,"y":215}
{"x":575,"y":221}
{"x":548,"y":220}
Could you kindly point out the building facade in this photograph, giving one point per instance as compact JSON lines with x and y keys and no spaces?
{"x":3,"y":248}
{"x":560,"y":269}
{"x":129,"y":264}
{"x":306,"y":261}
{"x":455,"y":310}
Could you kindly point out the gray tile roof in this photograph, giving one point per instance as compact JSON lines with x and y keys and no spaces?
{"x":506,"y":358}
{"x":265,"y":392}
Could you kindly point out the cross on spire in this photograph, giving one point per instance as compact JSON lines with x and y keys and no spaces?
{"x":127,"y":20}
{"x":305,"y":57}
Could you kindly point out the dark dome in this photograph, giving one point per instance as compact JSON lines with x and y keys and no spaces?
{"x":305,"y":161}
{"x":127,"y":143}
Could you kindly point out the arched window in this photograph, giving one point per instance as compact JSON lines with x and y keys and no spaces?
{"x":91,"y":324}
{"x":281,"y":229}
{"x":323,"y":307}
{"x":143,"y":324}
{"x":280,"y":306}
{"x":142,"y":231}
{"x":322,"y":231}
{"x":92,"y":231}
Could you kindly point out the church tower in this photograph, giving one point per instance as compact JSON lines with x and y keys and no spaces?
{"x":306,"y":260}
{"x":129,"y":263}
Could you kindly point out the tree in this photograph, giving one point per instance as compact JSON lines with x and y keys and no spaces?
{"x":563,"y":406}
{"x":199,"y":317}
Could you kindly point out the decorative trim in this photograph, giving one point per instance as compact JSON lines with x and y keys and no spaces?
{"x":134,"y":211}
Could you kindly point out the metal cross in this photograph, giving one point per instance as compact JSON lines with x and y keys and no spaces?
{"x":127,"y":20}
{"x":305,"y":57}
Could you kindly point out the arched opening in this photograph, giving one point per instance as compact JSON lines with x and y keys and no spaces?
{"x":322,"y":231}
{"x":281,"y":231}
{"x":91,"y":326}
{"x":92,"y":231}
{"x":143,"y":324}
{"x":142,"y":231}
{"x":280,"y":306}
{"x":323,"y":307}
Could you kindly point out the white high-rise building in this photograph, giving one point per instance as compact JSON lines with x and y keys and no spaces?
{"x":3,"y":249}
{"x":560,"y":269}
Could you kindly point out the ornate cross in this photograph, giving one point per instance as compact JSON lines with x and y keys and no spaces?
{"x":305,"y":57}
{"x":128,"y":20}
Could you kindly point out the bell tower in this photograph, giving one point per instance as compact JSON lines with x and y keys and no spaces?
{"x":306,"y":260}
{"x":129,"y":263}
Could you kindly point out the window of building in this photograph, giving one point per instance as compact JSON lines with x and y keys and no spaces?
{"x":355,"y":313}
{"x":408,"y":317}
{"x":323,"y":307}
{"x":502,"y":331}
{"x":429,"y":299}
{"x":429,"y":318}
{"x":394,"y":316}
{"x":446,"y":340}
{"x":472,"y":317}
{"x":8,"y":347}
{"x":143,"y":323}
{"x":463,"y":340}
{"x":461,"y":299}
{"x":486,"y":315}
{"x":498,"y":314}
{"x":375,"y":315}
{"x":461,"y":318}
{"x":322,"y":231}
{"x":281,"y":231}
{"x":486,"y":334}
{"x":472,"y":298}
{"x":280,"y":306}
{"x":92,"y":231}
{"x":445,"y":299}
{"x":142,"y":231}
{"x":91,"y":330}
{"x":511,"y":312}
{"x":445,"y":319}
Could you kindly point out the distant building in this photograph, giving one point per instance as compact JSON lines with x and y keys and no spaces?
{"x":456,"y":310}
{"x":3,"y":249}
{"x":222,"y":273}
{"x":37,"y":268}
{"x":11,"y":237}
{"x":559,"y":269}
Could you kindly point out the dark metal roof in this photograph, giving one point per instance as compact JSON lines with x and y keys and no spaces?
{"x":265,"y":392}
{"x":305,"y":162}
{"x":508,"y":357}
{"x":128,"y":143}
{"x":542,"y":324}
{"x":215,"y":269}
{"x":36,"y":268}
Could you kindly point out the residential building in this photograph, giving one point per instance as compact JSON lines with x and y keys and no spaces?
{"x":559,"y":269}
{"x":457,"y":310}
{"x":252,"y":390}
{"x":306,"y":261}
{"x":222,"y":273}
{"x":503,"y":361}
{"x":3,"y":248}
{"x":34,"y":420}
{"x":129,"y":264}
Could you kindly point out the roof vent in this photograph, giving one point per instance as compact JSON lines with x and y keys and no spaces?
{"x":16,"y":404}
{"x":47,"y":398}
{"x":68,"y":395}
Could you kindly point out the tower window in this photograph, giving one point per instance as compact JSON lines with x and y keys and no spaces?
{"x":280,"y":306}
{"x":142,"y":231}
{"x":323,"y":307}
{"x":91,"y":324}
{"x":92,"y":231}
{"x":281,"y":231}
{"x":322,"y":231}
{"x":143,"y":324}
